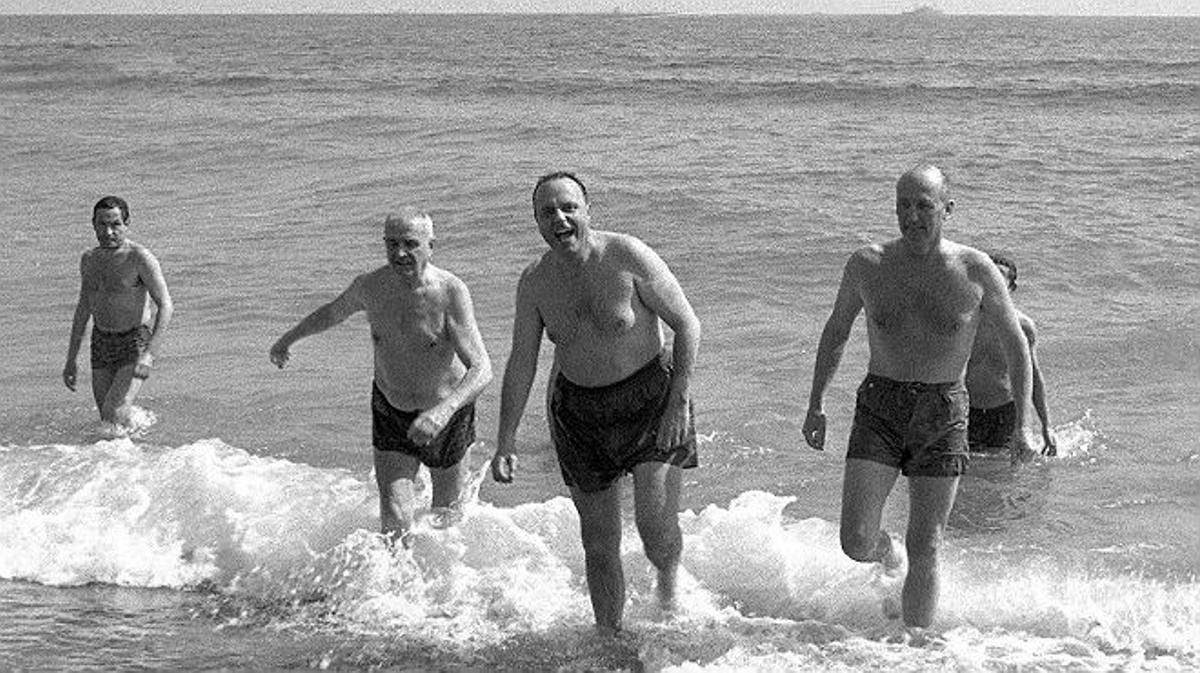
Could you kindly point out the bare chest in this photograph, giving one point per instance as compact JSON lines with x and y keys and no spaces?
{"x":943,"y":304}
{"x":412,"y":322}
{"x":114,"y":276}
{"x":595,"y":304}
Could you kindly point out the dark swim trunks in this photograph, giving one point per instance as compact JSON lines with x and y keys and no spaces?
{"x":990,"y":430}
{"x":920,"y":428}
{"x":389,"y":432}
{"x":113,"y":350}
{"x":600,"y":433}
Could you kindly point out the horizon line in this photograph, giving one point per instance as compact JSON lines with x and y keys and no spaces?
{"x":608,"y":13}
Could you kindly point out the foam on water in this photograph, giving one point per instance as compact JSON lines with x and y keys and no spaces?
{"x":272,"y":543}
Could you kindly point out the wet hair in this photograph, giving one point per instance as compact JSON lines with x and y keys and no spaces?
{"x":560,"y":175}
{"x":110,"y":202}
{"x":1008,"y":268}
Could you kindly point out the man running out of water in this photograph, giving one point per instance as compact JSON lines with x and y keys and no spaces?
{"x":430,"y":366}
{"x":924,"y":297}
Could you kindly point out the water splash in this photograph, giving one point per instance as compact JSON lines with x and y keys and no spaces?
{"x":271,"y":544}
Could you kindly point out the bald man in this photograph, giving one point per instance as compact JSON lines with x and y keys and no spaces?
{"x":430,"y":366}
{"x":925,"y":297}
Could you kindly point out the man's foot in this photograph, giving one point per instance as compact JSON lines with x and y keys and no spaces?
{"x":394,"y":540}
{"x":606,"y":631}
{"x":895,"y":563}
{"x":888,"y":579}
{"x":444,"y":517}
{"x":917,"y":636}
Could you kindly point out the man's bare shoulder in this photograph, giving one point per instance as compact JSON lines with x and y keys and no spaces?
{"x":869,"y":256}
{"x":629,"y":253}
{"x":141,"y":255}
{"x":372,"y":282}
{"x":971,"y":258}
{"x":446,"y":281}
{"x":538,"y":268}
{"x":622,"y":244}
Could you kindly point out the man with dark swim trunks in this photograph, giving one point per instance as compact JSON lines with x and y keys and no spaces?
{"x":430,"y":366}
{"x":993,"y":412}
{"x":617,"y":402}
{"x":925,"y":297}
{"x":120,"y":281}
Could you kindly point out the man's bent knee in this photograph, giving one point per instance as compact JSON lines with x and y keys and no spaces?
{"x":860,"y":544}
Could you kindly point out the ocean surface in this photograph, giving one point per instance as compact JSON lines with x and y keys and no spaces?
{"x":235,"y":530}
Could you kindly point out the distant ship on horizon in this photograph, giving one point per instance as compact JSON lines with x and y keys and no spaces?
{"x":923,"y":11}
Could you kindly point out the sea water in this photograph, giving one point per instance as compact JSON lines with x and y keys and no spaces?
{"x":235,"y":528}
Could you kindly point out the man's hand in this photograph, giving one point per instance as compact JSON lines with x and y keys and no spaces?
{"x":674,"y":428}
{"x":427,"y":425}
{"x":69,"y":374}
{"x":141,"y":369}
{"x":1050,"y":447}
{"x":814,"y":429}
{"x":1018,"y":446}
{"x":279,"y":354}
{"x":503,"y":466}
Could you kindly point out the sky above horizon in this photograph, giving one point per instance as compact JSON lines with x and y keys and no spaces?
{"x":1033,"y":7}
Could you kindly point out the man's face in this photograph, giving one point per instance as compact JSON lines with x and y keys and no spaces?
{"x":921,"y":209}
{"x":562,"y":216}
{"x":409,"y":246}
{"x":110,"y":228}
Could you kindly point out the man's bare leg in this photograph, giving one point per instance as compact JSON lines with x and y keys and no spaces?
{"x":102,"y":380}
{"x":394,"y":475}
{"x":448,"y":484}
{"x":123,"y":387}
{"x":600,"y":529}
{"x":865,"y":489}
{"x":930,"y":500}
{"x":656,"y":489}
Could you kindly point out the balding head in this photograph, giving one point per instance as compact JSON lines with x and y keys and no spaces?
{"x":408,"y":219}
{"x":929,"y":177}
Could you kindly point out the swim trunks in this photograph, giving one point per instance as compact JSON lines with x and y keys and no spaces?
{"x":389,"y":432}
{"x":920,"y":428}
{"x":990,"y":430}
{"x":602,"y":432}
{"x":113,"y":350}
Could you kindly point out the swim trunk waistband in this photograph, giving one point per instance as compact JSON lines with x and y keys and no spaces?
{"x":648,"y":372}
{"x":916,"y":387}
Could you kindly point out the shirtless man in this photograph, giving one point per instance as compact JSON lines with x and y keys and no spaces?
{"x":924,"y":297}
{"x":993,"y":414}
{"x":430,"y":366}
{"x":617,"y":401}
{"x":119,"y":280}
